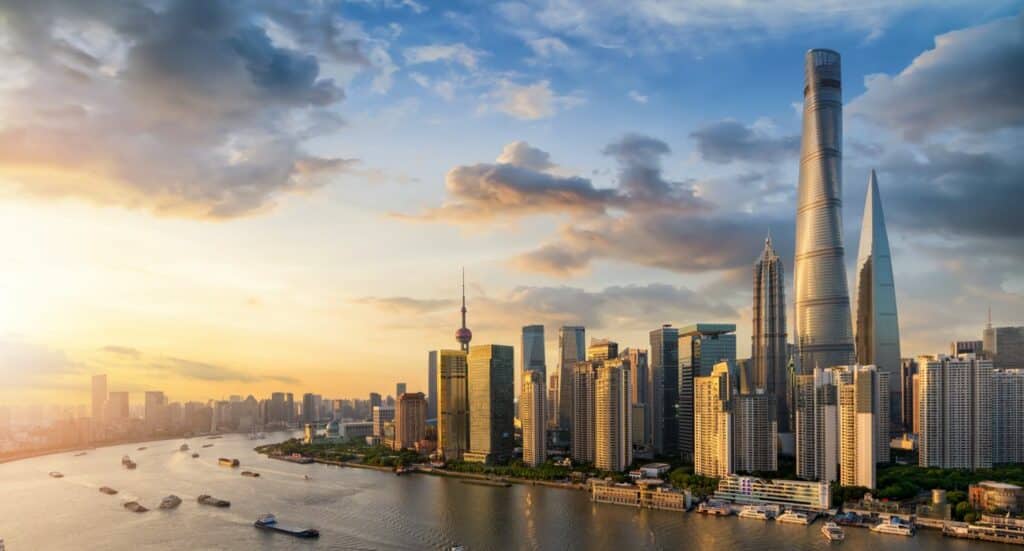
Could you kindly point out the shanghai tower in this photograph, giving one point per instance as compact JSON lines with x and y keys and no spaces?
{"x":823,"y":328}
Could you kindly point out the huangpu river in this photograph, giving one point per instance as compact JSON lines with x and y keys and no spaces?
{"x":355,"y":509}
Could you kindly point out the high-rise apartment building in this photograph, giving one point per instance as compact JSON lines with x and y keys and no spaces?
{"x":613,"y":440}
{"x":533,"y":350}
{"x":908,"y":393}
{"x":532,"y":409}
{"x":491,"y":403}
{"x":823,"y":329}
{"x":410,"y":420}
{"x":768,"y":355}
{"x":1004,"y":346}
{"x":862,"y":420}
{"x":452,"y":404}
{"x":99,"y":399}
{"x":956,"y":410}
{"x":554,"y":391}
{"x":816,"y":426}
{"x":664,"y":368}
{"x":432,"y":384}
{"x":712,"y":431}
{"x":700,"y":348}
{"x":1008,"y":412}
{"x":584,"y":382}
{"x":876,"y":324}
{"x":754,"y":432}
{"x":571,"y":349}
{"x":639,"y":385}
{"x":381,"y":416}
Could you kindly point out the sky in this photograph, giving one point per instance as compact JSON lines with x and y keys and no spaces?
{"x":213,"y":197}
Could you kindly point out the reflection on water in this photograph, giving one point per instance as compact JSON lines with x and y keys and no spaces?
{"x":354,"y":509}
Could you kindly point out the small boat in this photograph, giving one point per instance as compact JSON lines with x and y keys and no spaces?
{"x":183,"y":448}
{"x":55,"y":474}
{"x":108,"y":490}
{"x":402,"y":470}
{"x":140,"y":449}
{"x":457,"y":547}
{"x":212,"y":501}
{"x":833,"y":532}
{"x":135,"y":507}
{"x":207,"y":445}
{"x":80,"y":454}
{"x":793,"y":517}
{"x":269,"y":522}
{"x":716,"y":508}
{"x":214,"y":437}
{"x":251,"y":474}
{"x":307,"y":477}
{"x":225,"y":462}
{"x":894,"y":525}
{"x":170,"y":502}
{"x":755,"y":512}
{"x":195,"y":455}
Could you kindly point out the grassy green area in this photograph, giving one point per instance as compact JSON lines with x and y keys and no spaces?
{"x":699,"y":486}
{"x":515,"y":469}
{"x":906,"y":481}
{"x":343,"y":451}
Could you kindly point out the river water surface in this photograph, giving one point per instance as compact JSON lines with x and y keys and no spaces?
{"x":355,"y":509}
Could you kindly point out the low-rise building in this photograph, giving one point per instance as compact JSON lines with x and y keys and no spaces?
{"x":645,"y":494}
{"x":996,"y":497}
{"x":813,"y":496}
{"x":355,"y":429}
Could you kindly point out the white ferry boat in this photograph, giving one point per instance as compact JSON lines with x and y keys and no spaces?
{"x":794,"y":517}
{"x":717,"y":508}
{"x":755,"y":512}
{"x":894,"y":525}
{"x":833,"y":532}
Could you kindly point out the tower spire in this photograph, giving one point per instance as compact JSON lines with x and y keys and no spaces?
{"x":463,"y":335}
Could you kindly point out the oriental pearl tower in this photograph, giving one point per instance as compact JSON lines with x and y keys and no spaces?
{"x":463,"y":334}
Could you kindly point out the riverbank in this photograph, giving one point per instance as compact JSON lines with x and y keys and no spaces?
{"x":42,"y":453}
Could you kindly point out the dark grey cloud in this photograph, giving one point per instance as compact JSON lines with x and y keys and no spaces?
{"x":186,"y":107}
{"x":727,"y":141}
{"x":524,"y":182}
{"x":971,"y":80}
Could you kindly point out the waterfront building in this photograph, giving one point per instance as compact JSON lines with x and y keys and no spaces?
{"x":996,"y":497}
{"x":1004,"y":346}
{"x":571,"y":349}
{"x":1008,"y":413}
{"x":823,"y":327}
{"x":754,"y":432}
{"x":432,"y":384}
{"x":452,"y":404}
{"x":613,"y":440}
{"x":382,"y":415}
{"x":664,"y":369}
{"x":533,"y":350}
{"x":863,"y":420}
{"x":410,"y":420}
{"x":768,"y":357}
{"x":491,"y":403}
{"x":602,"y":349}
{"x":584,"y":383}
{"x":956,"y":410}
{"x":800,"y":494}
{"x":817,"y":426}
{"x":701,"y":347}
{"x":645,"y":494}
{"x":876,"y":323}
{"x":531,"y":408}
{"x":99,"y":401}
{"x":713,"y":431}
{"x":640,"y":387}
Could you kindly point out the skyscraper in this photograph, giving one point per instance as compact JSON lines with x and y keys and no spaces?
{"x":817,"y":426}
{"x":531,"y":407}
{"x":554,"y":390}
{"x":533,"y":350}
{"x":613,"y":441}
{"x":491,"y":403}
{"x":1004,"y":346}
{"x":381,"y":416}
{"x":602,"y":349}
{"x":571,"y":349}
{"x":156,"y":411}
{"x":99,"y":399}
{"x":1008,"y":426}
{"x":908,"y":400}
{"x":309,"y":413}
{"x":701,"y":347}
{"x":712,"y":431}
{"x":823,"y":329}
{"x":584,"y":415}
{"x":432,"y":384}
{"x":639,"y":385}
{"x":410,"y":420}
{"x":452,"y":405}
{"x":877,"y":330}
{"x":463,"y":335}
{"x":768,"y":347}
{"x":117,"y":406}
{"x":754,"y":432}
{"x":862,"y":392}
{"x":664,"y":368}
{"x":400,"y":389}
{"x":956,"y":412}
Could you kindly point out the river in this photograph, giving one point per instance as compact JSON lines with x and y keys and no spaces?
{"x":355,"y":509}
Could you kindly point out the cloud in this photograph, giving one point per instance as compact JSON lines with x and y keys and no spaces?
{"x":201,"y":371}
{"x":969,"y":81}
{"x":524,"y":155}
{"x":548,"y":46}
{"x":728,"y":141}
{"x":189,"y":108}
{"x":453,"y":53}
{"x":28,"y":364}
{"x":406,"y":305}
{"x":530,"y":101}
{"x":637,"y":96}
{"x":123,"y":351}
